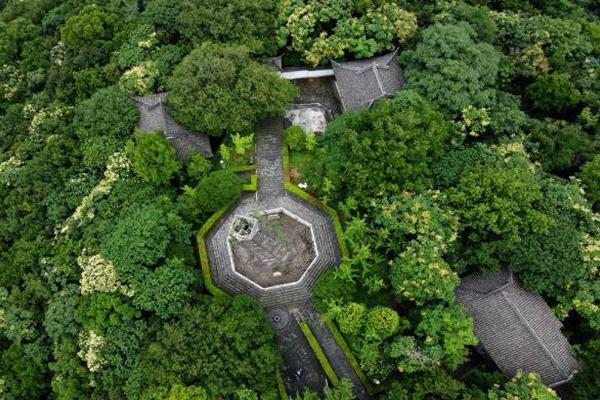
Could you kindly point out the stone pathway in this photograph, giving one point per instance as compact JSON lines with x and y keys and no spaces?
{"x":287,"y":304}
{"x":335,"y":354}
{"x":269,"y":160}
{"x":301,"y":369}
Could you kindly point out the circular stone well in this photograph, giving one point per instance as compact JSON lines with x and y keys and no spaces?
{"x":276,"y":247}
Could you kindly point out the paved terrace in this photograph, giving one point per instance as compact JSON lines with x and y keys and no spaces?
{"x":289,"y":302}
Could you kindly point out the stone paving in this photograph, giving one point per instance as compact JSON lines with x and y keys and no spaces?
{"x":279,"y":251}
{"x":286,"y":303}
{"x":269,"y":160}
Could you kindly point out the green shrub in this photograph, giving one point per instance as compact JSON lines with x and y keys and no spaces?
{"x":153,"y":157}
{"x":198,"y":167}
{"x":294,"y":137}
{"x":382,"y":322}
{"x":351,"y":318}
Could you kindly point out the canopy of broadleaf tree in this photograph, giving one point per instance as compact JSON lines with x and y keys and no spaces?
{"x":220,"y":88}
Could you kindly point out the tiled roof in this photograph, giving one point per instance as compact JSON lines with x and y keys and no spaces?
{"x":516,"y":327}
{"x":360,"y":83}
{"x":154,"y":115}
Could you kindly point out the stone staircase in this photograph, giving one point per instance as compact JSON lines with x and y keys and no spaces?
{"x":269,"y":160}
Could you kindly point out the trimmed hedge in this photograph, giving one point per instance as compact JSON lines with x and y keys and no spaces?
{"x":339,"y":338}
{"x":204,"y":263}
{"x":283,"y":395}
{"x":243,"y":168}
{"x":210,"y":222}
{"x":318,"y":350}
{"x":252,"y":186}
{"x":286,"y":163}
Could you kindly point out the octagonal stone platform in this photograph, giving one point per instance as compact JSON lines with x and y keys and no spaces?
{"x":276,"y":247}
{"x":279,"y":263}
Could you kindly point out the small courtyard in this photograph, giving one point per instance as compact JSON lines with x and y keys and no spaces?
{"x":272,"y":247}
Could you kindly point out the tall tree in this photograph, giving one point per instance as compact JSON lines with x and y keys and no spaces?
{"x":216,"y":77}
{"x":382,"y":150}
{"x":153,"y":157}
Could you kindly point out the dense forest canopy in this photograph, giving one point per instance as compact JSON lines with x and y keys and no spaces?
{"x":488,"y":158}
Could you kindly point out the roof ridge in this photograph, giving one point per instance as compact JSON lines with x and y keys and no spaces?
{"x":163,"y":115}
{"x":480,"y":295}
{"x":374,"y":64}
{"x":378,"y":78}
{"x":141,"y":100}
{"x":535,"y":336}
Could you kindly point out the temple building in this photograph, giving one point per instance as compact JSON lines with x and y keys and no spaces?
{"x":516,"y":328}
{"x":154,"y":115}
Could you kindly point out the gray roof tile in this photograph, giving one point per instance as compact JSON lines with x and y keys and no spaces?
{"x":516,"y":327}
{"x":360,"y":83}
{"x":154,"y":115}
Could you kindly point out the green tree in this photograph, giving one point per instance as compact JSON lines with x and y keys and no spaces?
{"x":539,"y":43}
{"x":587,"y":382}
{"x":25,"y":370}
{"x":452,"y":70}
{"x":233,"y":333}
{"x":246,"y":22}
{"x":167,"y":290}
{"x":551,"y":262}
{"x":447,"y":332}
{"x":103,"y":124}
{"x":421,"y":275}
{"x":590,"y":177}
{"x":153,"y":157}
{"x":211,"y":194}
{"x":434,"y":384}
{"x":140,"y":236}
{"x":198,"y":167}
{"x":525,"y":386}
{"x":180,"y":392}
{"x":561,"y":147}
{"x":402,"y":219}
{"x":496,"y":202}
{"x":479,"y":17}
{"x":164,"y":15}
{"x":331,"y":30}
{"x":553,"y":93}
{"x":409,"y":356}
{"x":343,"y":391}
{"x":109,"y":112}
{"x":213,"y":78}
{"x":90,"y":34}
{"x":380,"y":150}
{"x":99,"y":311}
{"x":331,"y":288}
